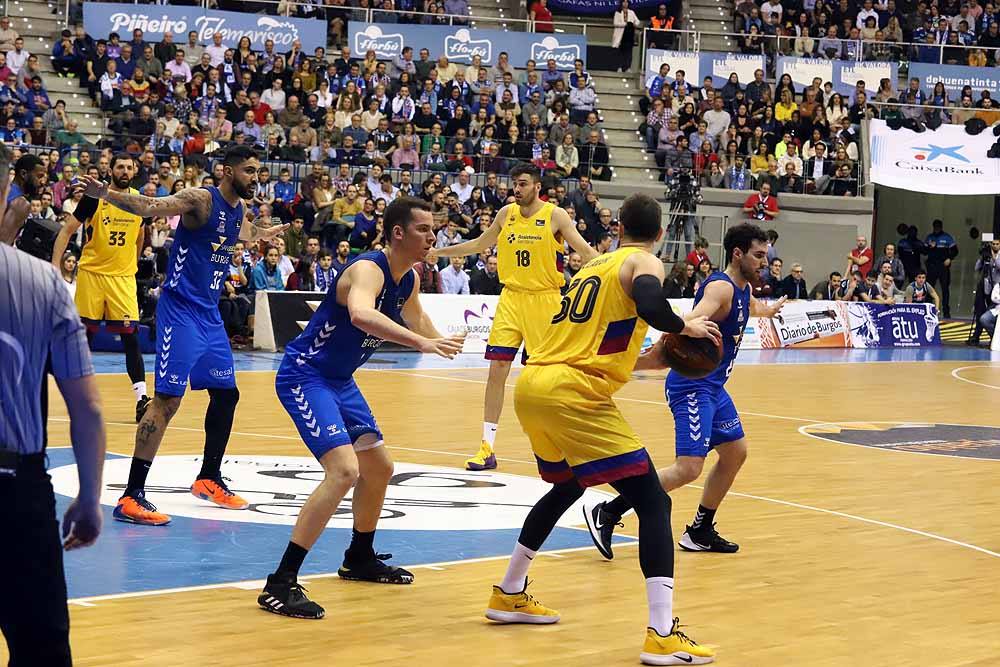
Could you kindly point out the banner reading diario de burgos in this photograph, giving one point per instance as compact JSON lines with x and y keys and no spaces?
{"x":100,"y":19}
{"x":460,"y":44}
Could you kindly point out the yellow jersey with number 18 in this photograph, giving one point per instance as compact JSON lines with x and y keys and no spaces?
{"x":111,"y":237}
{"x":529,"y":256}
{"x":596,"y":329}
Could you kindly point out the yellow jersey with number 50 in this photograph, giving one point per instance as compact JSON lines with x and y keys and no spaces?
{"x":110,"y":245}
{"x":529,"y":256}
{"x":596,"y":329}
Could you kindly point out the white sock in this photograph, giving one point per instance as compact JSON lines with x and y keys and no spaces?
{"x":517,"y":569}
{"x":660,"y":593}
{"x":140,"y":390}
{"x":489,"y":433}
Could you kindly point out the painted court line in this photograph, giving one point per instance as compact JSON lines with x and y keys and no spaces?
{"x":956,"y":373}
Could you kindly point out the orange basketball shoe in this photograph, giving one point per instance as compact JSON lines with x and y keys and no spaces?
{"x":216,"y":491}
{"x":136,"y":509}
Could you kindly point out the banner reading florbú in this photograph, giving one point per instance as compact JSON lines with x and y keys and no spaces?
{"x":101,"y":19}
{"x":946,"y":161}
{"x":459,"y":44}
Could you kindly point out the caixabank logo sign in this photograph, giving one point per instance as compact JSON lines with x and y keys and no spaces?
{"x":432,"y":514}
{"x":930,"y":157}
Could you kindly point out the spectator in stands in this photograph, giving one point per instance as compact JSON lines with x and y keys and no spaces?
{"x":594,"y":161}
{"x":626,"y":24}
{"x":920,"y":291}
{"x":761,"y":205}
{"x":844,"y":184}
{"x":303,"y":278}
{"x":486,"y":280}
{"x":794,"y":285}
{"x":861,"y":258}
{"x":430,"y":277}
{"x":896,"y":268}
{"x":454,"y":279}
{"x":941,"y":250}
{"x":827,"y":290}
{"x":266,"y":275}
{"x":582,"y":100}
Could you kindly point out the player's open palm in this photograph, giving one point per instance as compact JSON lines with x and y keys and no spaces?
{"x":81,"y":524}
{"x":702,"y":327}
{"x":446,"y":347}
{"x":267,"y":232}
{"x":775,"y":308}
{"x":94,"y":187}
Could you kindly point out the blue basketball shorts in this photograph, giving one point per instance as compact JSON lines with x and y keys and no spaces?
{"x":191,"y":343}
{"x":327,"y":413}
{"x":704,"y":417}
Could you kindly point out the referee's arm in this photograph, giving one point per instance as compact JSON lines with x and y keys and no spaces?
{"x":74,"y":374}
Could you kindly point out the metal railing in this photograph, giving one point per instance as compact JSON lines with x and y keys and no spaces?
{"x":859,"y":50}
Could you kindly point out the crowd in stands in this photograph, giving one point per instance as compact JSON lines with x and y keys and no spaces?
{"x":957,"y":32}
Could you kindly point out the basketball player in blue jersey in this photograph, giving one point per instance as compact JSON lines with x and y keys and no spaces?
{"x":368,"y":303}
{"x":705,"y":417}
{"x":29,"y":174}
{"x":191,"y":340}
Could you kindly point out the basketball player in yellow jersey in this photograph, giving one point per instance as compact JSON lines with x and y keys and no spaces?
{"x":563,"y":401}
{"x":529,"y":236}
{"x":106,"y":288}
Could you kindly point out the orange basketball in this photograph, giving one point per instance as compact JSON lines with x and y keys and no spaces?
{"x":691,"y":357}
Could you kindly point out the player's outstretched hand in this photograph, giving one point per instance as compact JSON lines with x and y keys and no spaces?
{"x":446,"y":347}
{"x":267,"y":232}
{"x":81,"y":524}
{"x":775,"y":308}
{"x":94,"y":187}
{"x":702,"y":327}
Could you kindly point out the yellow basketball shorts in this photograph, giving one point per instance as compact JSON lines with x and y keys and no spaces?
{"x":575,"y":428}
{"x":521,"y":317}
{"x":110,"y":299}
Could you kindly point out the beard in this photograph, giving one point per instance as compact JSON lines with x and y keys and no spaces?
{"x":244,"y":191}
{"x":121,"y":183}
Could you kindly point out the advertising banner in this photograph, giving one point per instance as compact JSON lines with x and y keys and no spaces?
{"x":956,"y":77}
{"x":948,"y":161}
{"x":843,"y":74}
{"x":901,"y":325}
{"x":281,"y":316}
{"x":102,"y":18}
{"x":459,"y":43}
{"x":599,"y":7}
{"x":698,"y":65}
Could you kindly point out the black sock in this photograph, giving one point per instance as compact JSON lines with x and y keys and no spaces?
{"x":362,"y":547}
{"x":137,"y":476}
{"x":618,"y":506}
{"x":703,"y":519}
{"x":134,"y":363}
{"x":218,"y":426}
{"x":292,"y":560}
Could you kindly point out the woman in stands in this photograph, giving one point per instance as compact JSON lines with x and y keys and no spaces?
{"x":836,"y":109}
{"x":785,"y":83}
{"x":623,"y":37}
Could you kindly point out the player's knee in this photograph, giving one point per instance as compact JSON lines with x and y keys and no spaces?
{"x":225,"y":398}
{"x":380,"y":471}
{"x":164,"y":406}
{"x":689,"y":468}
{"x":734,"y":454}
{"x":344,"y":476}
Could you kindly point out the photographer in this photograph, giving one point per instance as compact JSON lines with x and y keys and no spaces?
{"x":761,"y":206}
{"x":988,"y":265}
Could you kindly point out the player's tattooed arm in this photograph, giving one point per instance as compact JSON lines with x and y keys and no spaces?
{"x":193,"y":204}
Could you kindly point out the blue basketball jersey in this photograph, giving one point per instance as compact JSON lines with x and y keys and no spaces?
{"x":14,"y":192}
{"x":331,"y":346}
{"x":732,"y":335}
{"x":199,"y":259}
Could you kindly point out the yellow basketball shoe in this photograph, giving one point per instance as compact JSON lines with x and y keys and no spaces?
{"x":674,"y":649}
{"x":484,"y":459}
{"x":518,"y":608}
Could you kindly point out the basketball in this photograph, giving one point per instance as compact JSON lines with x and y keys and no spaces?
{"x":691,"y":357}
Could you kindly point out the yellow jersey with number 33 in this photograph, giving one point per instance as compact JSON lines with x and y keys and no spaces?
{"x":596,"y":329}
{"x":529,"y":256}
{"x":109,"y":248}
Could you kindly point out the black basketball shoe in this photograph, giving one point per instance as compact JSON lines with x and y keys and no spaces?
{"x":375,"y":570}
{"x":706,"y":538}
{"x":283,"y":595}
{"x":140,"y":408}
{"x":601,"y":524}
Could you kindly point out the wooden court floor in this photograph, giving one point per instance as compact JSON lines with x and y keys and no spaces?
{"x":850,"y":555}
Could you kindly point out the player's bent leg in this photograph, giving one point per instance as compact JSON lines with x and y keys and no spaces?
{"x":496,"y":382}
{"x":282,"y":593}
{"x":683,"y":471}
{"x":702,"y":535}
{"x":510,"y":601}
{"x":136,"y":368}
{"x":361,"y":563}
{"x":133,"y":507}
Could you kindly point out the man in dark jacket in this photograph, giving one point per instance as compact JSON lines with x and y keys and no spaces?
{"x":793,"y":285}
{"x":486,"y":281}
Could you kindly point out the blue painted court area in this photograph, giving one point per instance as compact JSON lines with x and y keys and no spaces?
{"x":199,"y":551}
{"x":269,"y":361}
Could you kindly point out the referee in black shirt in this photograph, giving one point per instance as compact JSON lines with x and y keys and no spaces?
{"x":38,"y":321}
